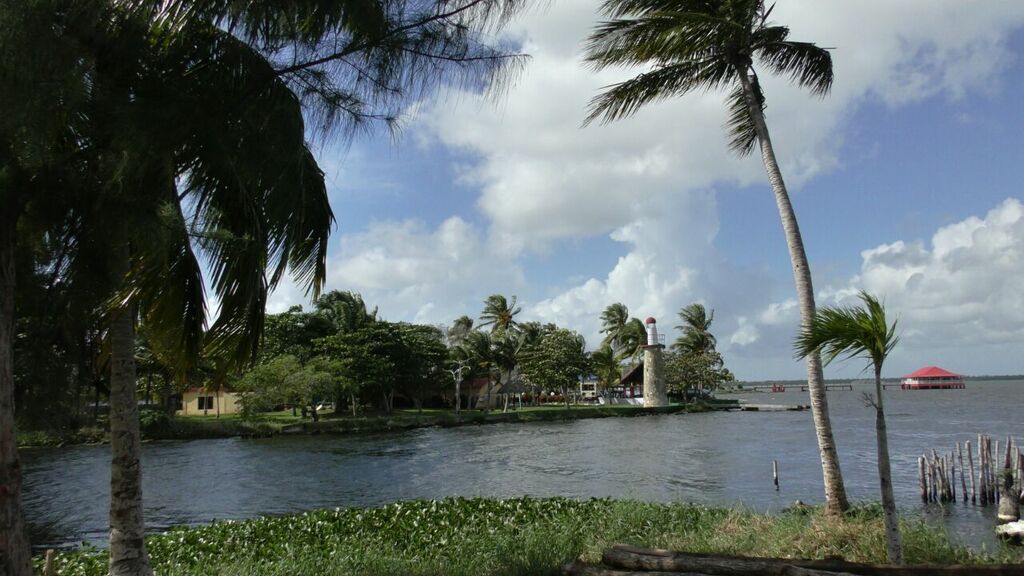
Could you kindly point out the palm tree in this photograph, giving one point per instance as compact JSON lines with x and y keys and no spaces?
{"x":346,"y":310}
{"x":698,"y":45}
{"x":208,"y":95}
{"x":862,"y":332}
{"x":613,"y":320}
{"x":499,"y":313}
{"x":696,"y":336}
{"x":606,"y":366}
{"x":624,"y":334}
{"x":236,"y":186}
{"x":478,"y":348}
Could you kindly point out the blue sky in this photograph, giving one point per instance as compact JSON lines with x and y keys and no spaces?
{"x":906,"y":181}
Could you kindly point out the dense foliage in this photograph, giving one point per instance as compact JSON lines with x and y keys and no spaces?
{"x":458,"y":536}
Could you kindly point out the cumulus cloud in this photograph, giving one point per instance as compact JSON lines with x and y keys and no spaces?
{"x":959,"y":298}
{"x":648,"y":182}
{"x":420,"y":274}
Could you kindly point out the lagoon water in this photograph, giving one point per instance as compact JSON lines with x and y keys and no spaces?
{"x":722,"y":458}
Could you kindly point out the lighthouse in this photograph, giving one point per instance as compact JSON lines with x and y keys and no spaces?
{"x":654,"y":381}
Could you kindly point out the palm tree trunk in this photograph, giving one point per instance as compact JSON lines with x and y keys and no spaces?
{"x":128,"y":555}
{"x":835,"y":491}
{"x":893,"y":541}
{"x":458,"y":394}
{"x":15,"y":558}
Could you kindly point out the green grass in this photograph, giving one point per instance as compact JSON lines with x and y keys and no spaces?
{"x":516,"y":537}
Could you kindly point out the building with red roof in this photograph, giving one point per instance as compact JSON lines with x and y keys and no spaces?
{"x":932,"y":378}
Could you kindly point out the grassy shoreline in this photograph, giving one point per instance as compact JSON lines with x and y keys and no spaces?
{"x":231,"y":426}
{"x":519,"y":536}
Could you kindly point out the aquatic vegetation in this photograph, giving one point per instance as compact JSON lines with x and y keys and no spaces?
{"x":514,"y":537}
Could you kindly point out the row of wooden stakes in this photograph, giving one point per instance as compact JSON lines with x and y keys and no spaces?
{"x":998,"y":472}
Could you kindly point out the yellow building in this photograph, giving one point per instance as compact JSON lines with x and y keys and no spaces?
{"x":200,"y":401}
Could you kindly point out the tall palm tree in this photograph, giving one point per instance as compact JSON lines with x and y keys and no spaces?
{"x":699,"y":45}
{"x":613,"y":320}
{"x":695,"y":330}
{"x":341,"y":63}
{"x":862,"y":332}
{"x":251,"y":198}
{"x":499,"y":313}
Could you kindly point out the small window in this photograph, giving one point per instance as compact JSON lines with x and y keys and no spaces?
{"x":205,"y":402}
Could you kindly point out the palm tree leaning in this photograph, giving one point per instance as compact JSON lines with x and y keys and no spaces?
{"x":500,"y":313}
{"x":862,"y":332}
{"x":708,"y":45}
{"x":695,"y":330}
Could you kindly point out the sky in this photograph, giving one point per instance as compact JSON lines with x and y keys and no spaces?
{"x":906,"y":181}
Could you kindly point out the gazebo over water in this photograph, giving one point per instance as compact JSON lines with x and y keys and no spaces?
{"x":932,"y":378}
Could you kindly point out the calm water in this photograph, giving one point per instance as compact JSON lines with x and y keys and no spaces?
{"x":716,"y":458}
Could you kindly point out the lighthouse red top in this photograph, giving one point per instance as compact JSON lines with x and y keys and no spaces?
{"x":650,"y":320}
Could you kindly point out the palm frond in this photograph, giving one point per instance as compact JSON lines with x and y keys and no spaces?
{"x":741,"y":126}
{"x":626,"y":98}
{"x":660,"y":37}
{"x":850,"y":331}
{"x":808,"y":65}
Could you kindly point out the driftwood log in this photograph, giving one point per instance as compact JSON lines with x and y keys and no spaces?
{"x":582,"y":569}
{"x":622,"y":560}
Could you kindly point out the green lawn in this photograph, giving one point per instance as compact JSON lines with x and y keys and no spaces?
{"x":522,"y":536}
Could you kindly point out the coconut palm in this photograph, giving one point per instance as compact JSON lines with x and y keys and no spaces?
{"x":701,"y":45}
{"x":478,"y":349}
{"x":606,"y":366}
{"x":695,"y":330}
{"x":862,"y":332}
{"x":499,"y":313}
{"x":156,"y":113}
{"x":236,"y":186}
{"x":346,"y":310}
{"x":613,"y":320}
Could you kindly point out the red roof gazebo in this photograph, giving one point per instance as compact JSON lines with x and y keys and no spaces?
{"x":932,"y":378}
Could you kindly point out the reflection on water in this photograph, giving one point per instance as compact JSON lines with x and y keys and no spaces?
{"x":716,"y":458}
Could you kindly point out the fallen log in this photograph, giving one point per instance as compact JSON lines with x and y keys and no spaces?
{"x":646,"y":559}
{"x":579,"y":568}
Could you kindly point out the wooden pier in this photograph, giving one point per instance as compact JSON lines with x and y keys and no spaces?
{"x":830,"y":387}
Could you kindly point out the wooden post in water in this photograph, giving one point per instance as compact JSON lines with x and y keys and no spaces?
{"x":995,"y":459}
{"x":1009,"y":497}
{"x":982,"y":476}
{"x":922,"y":481}
{"x":48,"y":569}
{"x":950,"y":478}
{"x":963,"y":473}
{"x":970,"y":462}
{"x":775,"y":474}
{"x":1020,"y":473}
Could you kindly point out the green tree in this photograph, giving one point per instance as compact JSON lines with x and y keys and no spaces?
{"x":478,"y":349}
{"x":624,"y":334}
{"x":422,"y":368}
{"x":345,"y":310}
{"x":606,"y":366}
{"x":862,"y":332}
{"x":695,"y":330}
{"x":699,"y":45}
{"x":499,"y":313}
{"x":557,"y":361}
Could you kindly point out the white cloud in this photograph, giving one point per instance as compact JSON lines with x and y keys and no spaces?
{"x":415,"y":273}
{"x":959,"y":298}
{"x":647,"y":182}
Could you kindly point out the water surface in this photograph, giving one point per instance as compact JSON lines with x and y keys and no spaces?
{"x":721,"y":458}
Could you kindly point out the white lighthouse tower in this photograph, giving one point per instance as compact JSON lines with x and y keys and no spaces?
{"x":654,"y":382}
